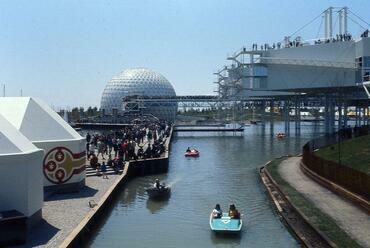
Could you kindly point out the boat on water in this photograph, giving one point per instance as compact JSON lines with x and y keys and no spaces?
{"x":280,"y":135}
{"x":225,"y":224}
{"x":192,"y":153}
{"x":159,"y":193}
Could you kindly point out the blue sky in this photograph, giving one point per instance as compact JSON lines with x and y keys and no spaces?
{"x":64,"y":52}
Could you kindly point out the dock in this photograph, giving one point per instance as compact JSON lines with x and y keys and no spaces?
{"x":68,"y":218}
{"x":209,"y":128}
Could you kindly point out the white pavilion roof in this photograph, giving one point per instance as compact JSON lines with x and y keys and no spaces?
{"x":12,"y":141}
{"x":35,"y":119}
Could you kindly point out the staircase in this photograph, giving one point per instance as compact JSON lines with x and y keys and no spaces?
{"x":90,"y":172}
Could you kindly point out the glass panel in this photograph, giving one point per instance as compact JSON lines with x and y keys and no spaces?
{"x":366,"y":61}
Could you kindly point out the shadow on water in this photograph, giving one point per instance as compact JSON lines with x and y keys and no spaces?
{"x":229,"y":239}
{"x":155,"y":206}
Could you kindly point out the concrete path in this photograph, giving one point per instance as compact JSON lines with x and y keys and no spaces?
{"x":63,"y":212}
{"x":351,"y":219}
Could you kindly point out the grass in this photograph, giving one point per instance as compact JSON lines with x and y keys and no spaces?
{"x":354,"y":153}
{"x":318,"y":219}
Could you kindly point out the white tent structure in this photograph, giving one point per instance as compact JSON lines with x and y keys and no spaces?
{"x":21,"y":179}
{"x":64,"y":160}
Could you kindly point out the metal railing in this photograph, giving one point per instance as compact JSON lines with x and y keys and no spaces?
{"x":351,"y":179}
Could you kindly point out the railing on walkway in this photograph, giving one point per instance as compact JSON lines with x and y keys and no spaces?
{"x":353,"y":180}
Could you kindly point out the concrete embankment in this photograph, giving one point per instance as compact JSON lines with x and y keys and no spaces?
{"x":69,"y":218}
{"x":306,"y":205}
{"x":141,"y":167}
{"x":292,"y":218}
{"x":348,"y":216}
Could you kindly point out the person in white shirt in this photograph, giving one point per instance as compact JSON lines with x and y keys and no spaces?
{"x":157,"y":184}
{"x":217,"y":212}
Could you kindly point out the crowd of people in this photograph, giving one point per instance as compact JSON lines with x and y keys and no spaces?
{"x":297,"y":42}
{"x":139,"y":141}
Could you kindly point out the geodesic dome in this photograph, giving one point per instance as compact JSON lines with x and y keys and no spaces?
{"x":139,"y":82}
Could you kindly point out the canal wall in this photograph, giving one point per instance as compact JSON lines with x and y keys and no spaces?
{"x":292,"y":218}
{"x":133,"y":169}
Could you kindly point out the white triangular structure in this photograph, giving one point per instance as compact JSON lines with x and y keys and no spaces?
{"x":64,"y":161}
{"x":20,"y":172}
{"x":35,"y":119}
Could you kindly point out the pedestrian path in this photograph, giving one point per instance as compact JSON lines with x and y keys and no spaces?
{"x":350,"y":218}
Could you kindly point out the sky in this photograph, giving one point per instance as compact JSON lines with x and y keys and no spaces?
{"x":65,"y":52}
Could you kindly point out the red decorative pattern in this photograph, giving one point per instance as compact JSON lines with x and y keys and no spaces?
{"x":60,"y":164}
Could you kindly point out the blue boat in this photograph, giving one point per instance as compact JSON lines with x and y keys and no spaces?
{"x":225,"y":224}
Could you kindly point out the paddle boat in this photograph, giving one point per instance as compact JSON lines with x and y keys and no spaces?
{"x":159,"y":193}
{"x":192,"y":152}
{"x":225,"y":224}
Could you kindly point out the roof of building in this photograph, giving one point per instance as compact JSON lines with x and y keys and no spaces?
{"x":35,"y":119}
{"x":12,"y":141}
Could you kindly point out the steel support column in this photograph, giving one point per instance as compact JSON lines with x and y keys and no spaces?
{"x":272,"y":117}
{"x":286,"y":116}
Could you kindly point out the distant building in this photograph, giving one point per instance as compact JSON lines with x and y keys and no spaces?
{"x":121,"y":91}
{"x":296,"y":66}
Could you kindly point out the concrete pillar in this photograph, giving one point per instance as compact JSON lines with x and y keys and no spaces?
{"x":286,"y":116}
{"x":332,"y":116}
{"x":345,"y":111}
{"x":363,"y":116}
{"x":297,"y":111}
{"x":326,"y":114}
{"x":263,"y":112}
{"x":272,"y":117}
{"x":330,"y":22}
{"x":329,"y":114}
{"x":340,"y":118}
{"x":345,"y":9}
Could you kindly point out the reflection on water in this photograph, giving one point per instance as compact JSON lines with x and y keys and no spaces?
{"x":155,"y":206}
{"x":226,"y":240}
{"x":225,"y":173}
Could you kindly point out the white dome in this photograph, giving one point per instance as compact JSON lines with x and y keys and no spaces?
{"x":143,"y":82}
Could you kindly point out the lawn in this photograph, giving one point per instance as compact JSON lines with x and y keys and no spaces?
{"x":318,"y":219}
{"x":354,"y":153}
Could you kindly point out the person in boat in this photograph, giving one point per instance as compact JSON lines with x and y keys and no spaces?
{"x":233,"y":212}
{"x":188,"y":150}
{"x":157,"y":184}
{"x":217,"y":212}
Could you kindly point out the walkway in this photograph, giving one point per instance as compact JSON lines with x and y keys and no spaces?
{"x":351,"y":219}
{"x":63,"y":212}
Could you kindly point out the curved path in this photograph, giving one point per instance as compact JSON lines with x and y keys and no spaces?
{"x":351,"y":219}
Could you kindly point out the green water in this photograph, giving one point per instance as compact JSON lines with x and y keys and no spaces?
{"x":225,"y":173}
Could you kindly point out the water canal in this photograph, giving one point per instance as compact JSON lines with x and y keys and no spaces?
{"x":225,"y":173}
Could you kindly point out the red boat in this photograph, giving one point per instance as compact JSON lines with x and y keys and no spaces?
{"x":280,"y":135}
{"x":192,"y":153}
